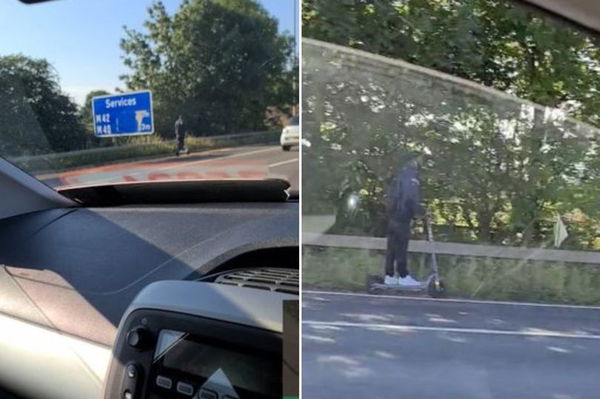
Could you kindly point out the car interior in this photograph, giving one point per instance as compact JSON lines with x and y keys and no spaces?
{"x":101,"y":285}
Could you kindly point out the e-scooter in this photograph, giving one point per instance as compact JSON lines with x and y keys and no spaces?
{"x":433,"y":285}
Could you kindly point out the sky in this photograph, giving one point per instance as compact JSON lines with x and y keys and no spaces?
{"x":81,"y":38}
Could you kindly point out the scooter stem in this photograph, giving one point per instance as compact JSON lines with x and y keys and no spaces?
{"x":434,"y":264}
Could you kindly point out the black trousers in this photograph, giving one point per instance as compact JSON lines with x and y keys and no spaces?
{"x":180,"y":142}
{"x":397,"y":248}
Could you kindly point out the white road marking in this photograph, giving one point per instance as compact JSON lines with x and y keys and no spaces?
{"x":241,"y":154}
{"x":283,"y":162}
{"x":454,"y":300}
{"x":485,"y":331}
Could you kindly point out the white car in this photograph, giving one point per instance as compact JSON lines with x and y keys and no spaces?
{"x":290,"y":135}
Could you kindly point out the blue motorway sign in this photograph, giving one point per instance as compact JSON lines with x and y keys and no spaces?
{"x":123,"y":114}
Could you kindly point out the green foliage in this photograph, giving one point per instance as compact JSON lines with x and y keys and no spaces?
{"x":220,"y":63}
{"x":495,"y":43}
{"x":86,"y":111}
{"x":500,"y":168}
{"x":35,"y":115}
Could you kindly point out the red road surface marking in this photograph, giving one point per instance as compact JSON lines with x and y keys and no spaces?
{"x":176,"y":170}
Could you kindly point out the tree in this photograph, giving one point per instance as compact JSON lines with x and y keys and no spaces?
{"x":500,"y":167}
{"x":220,"y":63}
{"x":34,"y":114}
{"x":86,"y":111}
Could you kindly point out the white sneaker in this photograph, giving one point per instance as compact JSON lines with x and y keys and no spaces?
{"x":408,"y":281}
{"x":390,"y":280}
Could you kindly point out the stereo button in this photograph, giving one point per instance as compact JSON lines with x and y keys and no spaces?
{"x":185,"y":389}
{"x":131,"y":371}
{"x":207,"y":394}
{"x":164,"y":382}
{"x":139,"y":338}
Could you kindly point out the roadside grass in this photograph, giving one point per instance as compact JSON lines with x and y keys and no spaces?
{"x":153,"y":147}
{"x":465,"y":277}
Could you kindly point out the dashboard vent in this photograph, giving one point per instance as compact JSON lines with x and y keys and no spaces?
{"x":271,"y":279}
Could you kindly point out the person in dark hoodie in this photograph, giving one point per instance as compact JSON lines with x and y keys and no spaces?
{"x":404,"y":204}
{"x":180,"y":131}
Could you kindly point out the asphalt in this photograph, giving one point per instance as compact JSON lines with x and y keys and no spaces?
{"x":402,"y":347}
{"x":235,"y":162}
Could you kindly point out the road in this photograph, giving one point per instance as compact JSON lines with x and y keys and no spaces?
{"x":236,"y":162}
{"x":364,"y":346}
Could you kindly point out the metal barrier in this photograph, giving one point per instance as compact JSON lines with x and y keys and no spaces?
{"x":456,"y":249}
{"x":104,"y":150}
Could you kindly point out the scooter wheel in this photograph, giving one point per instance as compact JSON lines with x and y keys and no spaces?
{"x":436,"y":288}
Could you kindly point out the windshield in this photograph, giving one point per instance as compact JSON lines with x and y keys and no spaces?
{"x":463,"y":137}
{"x":106,"y":91}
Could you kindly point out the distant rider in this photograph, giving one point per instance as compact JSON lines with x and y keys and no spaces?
{"x":404,"y":204}
{"x":180,"y":135}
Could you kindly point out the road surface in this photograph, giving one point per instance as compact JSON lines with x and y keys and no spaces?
{"x":364,"y":346}
{"x":236,"y":162}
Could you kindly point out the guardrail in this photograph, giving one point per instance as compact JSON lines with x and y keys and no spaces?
{"x":104,"y":155}
{"x":457,"y":249}
{"x":170,"y":143}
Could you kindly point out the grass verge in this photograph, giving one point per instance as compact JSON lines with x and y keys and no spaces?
{"x":465,"y":277}
{"x":102,"y":156}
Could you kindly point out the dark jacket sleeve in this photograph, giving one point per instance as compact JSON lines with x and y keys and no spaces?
{"x":392,"y":197}
{"x":411,"y":188}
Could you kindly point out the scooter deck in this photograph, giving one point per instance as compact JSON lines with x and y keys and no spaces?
{"x":381,"y":286}
{"x":383,"y":289}
{"x":375,"y":285}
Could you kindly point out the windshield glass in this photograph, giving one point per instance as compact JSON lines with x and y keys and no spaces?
{"x":453,"y":151}
{"x":106,"y":91}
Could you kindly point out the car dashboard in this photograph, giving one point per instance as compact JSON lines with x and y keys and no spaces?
{"x":69,"y":278}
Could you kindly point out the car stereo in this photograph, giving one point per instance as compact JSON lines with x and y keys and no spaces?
{"x":199,"y":340}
